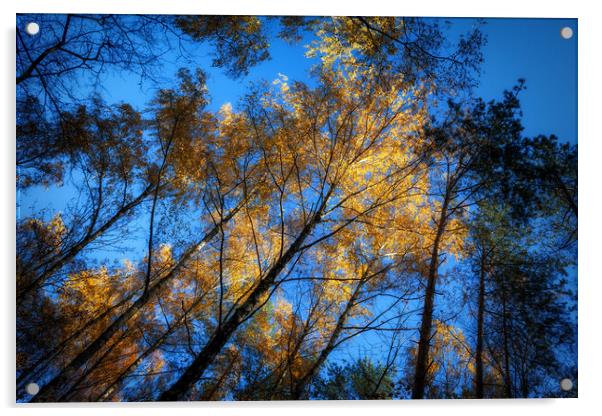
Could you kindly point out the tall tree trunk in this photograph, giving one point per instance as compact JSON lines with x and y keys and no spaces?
{"x":55,"y":265}
{"x":50,"y":391}
{"x":525,"y":387}
{"x":422,"y":358}
{"x":220,"y":337}
{"x":480,"y":318}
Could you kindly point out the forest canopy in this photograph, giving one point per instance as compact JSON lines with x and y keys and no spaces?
{"x":373,"y":230}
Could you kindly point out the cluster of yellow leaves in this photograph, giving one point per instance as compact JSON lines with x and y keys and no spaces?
{"x":182,"y":130}
{"x":91,"y":289}
{"x":338,"y":266}
{"x":340,"y":37}
{"x":50,"y":233}
{"x":189,"y":154}
{"x":90,"y":292}
{"x":232,"y":144}
{"x":449,"y":350}
{"x":282,"y":82}
{"x":165,"y":256}
{"x":247,"y":239}
{"x":273,"y":335}
{"x":455,"y":236}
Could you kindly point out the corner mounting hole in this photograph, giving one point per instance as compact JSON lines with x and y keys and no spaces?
{"x":566,"y":32}
{"x":32,"y":28}
{"x":32,"y":389}
{"x":566,"y":384}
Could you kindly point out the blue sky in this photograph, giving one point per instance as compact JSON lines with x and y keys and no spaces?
{"x":532,"y":49}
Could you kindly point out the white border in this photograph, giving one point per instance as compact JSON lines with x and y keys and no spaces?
{"x":590,"y":155}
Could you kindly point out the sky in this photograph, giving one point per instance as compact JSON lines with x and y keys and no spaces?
{"x":533,"y":49}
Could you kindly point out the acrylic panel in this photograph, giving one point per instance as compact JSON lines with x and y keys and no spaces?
{"x":295,"y":208}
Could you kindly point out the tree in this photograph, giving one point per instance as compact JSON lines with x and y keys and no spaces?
{"x":327,"y":118}
{"x":73,"y":45}
{"x":110,"y":153}
{"x":512,"y":263}
{"x":180,"y":110}
{"x":477,"y":154}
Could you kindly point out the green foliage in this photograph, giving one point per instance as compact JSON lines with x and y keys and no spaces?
{"x":239,"y":41}
{"x":358,"y":380}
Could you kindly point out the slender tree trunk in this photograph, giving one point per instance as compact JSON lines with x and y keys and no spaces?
{"x":301,"y":385}
{"x":292,"y":353}
{"x":480,"y":318}
{"x":220,"y":337}
{"x":151,"y":233}
{"x":70,"y":254}
{"x":507,"y":378}
{"x":422,"y":358}
{"x":525,"y":387}
{"x":50,"y":391}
